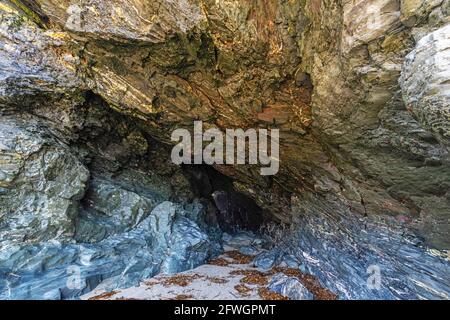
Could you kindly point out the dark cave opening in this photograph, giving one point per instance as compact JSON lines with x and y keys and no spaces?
{"x":108,"y":131}
{"x":234,"y":210}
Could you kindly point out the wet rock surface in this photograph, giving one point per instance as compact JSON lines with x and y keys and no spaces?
{"x":78,"y":203}
{"x":41,"y":184}
{"x":72,"y":216}
{"x":289,"y":287}
{"x":166,"y":241}
{"x":383,"y":260}
{"x":325,"y":74}
{"x":267,"y":260}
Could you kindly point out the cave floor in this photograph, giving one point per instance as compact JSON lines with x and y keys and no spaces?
{"x":231,"y":276}
{"x":220,"y":279}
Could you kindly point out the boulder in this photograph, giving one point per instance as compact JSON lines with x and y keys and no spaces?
{"x":109,"y":208}
{"x":166,"y":241}
{"x":289,"y":287}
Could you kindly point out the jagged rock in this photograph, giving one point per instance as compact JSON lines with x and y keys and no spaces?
{"x":289,"y":287}
{"x":290,"y":261}
{"x":246,"y":242}
{"x":414,"y":10}
{"x":425,"y":83}
{"x":325,"y":74}
{"x":41,"y":182}
{"x":383,"y":260}
{"x":35,"y":67}
{"x":137,"y":20}
{"x":179,"y":239}
{"x":124,"y":207}
{"x":111,"y":209}
{"x":366,"y":20}
{"x":162,"y":218}
{"x":167,"y":241}
{"x":248,"y":250}
{"x":267,"y":260}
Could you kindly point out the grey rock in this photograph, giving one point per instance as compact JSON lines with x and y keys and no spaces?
{"x":367,"y":154}
{"x":166,"y":241}
{"x":357,"y":138}
{"x":241,"y":238}
{"x":246,"y":242}
{"x":43,"y":182}
{"x":267,"y":259}
{"x":111,"y":209}
{"x":358,"y":141}
{"x":180,"y":240}
{"x":289,"y":287}
{"x":425,"y":82}
{"x":249,"y":250}
{"x":290,"y":261}
{"x":83,"y":17}
{"x":302,"y":268}
{"x":31,"y":72}
{"x":412,"y":11}
{"x":346,"y":258}
{"x":162,"y":218}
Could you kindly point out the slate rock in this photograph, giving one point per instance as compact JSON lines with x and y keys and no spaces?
{"x":267,"y":260}
{"x":289,"y":287}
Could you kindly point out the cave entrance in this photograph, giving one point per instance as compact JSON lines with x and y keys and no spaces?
{"x":234,"y":210}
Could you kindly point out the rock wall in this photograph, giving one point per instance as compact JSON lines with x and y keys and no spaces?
{"x":359,"y":90}
{"x":77,"y":211}
{"x":325,"y":72}
{"x":85,"y":195}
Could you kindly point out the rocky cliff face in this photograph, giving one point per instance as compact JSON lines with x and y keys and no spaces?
{"x":91,"y":91}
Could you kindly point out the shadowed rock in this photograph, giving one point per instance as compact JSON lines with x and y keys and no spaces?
{"x":237,"y":211}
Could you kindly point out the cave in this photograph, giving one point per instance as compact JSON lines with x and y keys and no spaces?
{"x":93,"y":205}
{"x":234,"y":210}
